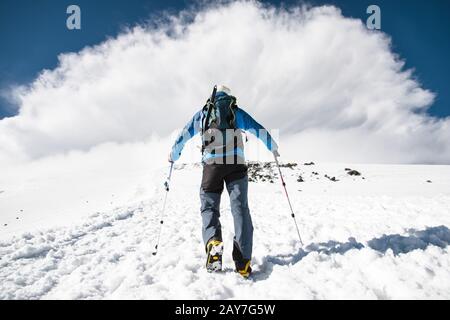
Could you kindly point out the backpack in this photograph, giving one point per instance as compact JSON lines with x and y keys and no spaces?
{"x":220,"y":113}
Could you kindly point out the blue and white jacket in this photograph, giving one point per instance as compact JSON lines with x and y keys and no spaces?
{"x":230,"y":147}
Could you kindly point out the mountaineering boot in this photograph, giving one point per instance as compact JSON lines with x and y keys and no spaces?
{"x":242,"y":265}
{"x":214,"y":251}
{"x":243,"y":268}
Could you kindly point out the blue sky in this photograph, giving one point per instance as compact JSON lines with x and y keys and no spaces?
{"x":33,"y":33}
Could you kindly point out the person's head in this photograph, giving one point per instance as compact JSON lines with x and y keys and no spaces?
{"x":224,"y":89}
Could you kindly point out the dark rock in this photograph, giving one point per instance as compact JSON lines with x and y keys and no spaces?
{"x":300,"y":179}
{"x":289,"y":165}
{"x":260,"y":172}
{"x":309,"y":163}
{"x":267,"y":165}
{"x":331,"y":178}
{"x":429,"y":181}
{"x":353,"y":173}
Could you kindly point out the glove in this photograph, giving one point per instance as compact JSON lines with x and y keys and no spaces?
{"x":275,"y":153}
{"x":169,"y":158}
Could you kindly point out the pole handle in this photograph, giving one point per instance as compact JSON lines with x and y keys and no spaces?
{"x":167,"y":182}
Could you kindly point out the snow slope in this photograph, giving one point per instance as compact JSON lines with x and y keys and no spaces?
{"x":381,"y":235}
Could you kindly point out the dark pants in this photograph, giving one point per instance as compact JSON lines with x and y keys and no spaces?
{"x":235,"y":178}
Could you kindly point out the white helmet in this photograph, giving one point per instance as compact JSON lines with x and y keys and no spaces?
{"x":224,"y":89}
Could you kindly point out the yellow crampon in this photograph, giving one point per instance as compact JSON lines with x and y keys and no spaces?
{"x":214,"y":250}
{"x":246,"y":271}
{"x":213,"y":243}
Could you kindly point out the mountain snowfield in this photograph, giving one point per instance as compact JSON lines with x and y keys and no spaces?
{"x":383,"y":234}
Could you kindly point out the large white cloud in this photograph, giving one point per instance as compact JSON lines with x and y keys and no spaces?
{"x":335,"y":90}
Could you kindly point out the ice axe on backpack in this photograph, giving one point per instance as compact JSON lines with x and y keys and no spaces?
{"x":209,"y":107}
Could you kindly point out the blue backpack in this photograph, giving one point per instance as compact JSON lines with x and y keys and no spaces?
{"x":220,"y":112}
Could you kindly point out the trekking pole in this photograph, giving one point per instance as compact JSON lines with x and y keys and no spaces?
{"x":166,"y":186}
{"x":289,"y":201}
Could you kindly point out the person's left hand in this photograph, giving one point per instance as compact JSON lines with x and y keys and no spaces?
{"x":276,"y":154}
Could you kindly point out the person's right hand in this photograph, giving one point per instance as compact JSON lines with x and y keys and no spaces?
{"x":170,"y":157}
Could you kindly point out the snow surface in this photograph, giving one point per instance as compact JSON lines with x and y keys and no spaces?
{"x":381,"y":235}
